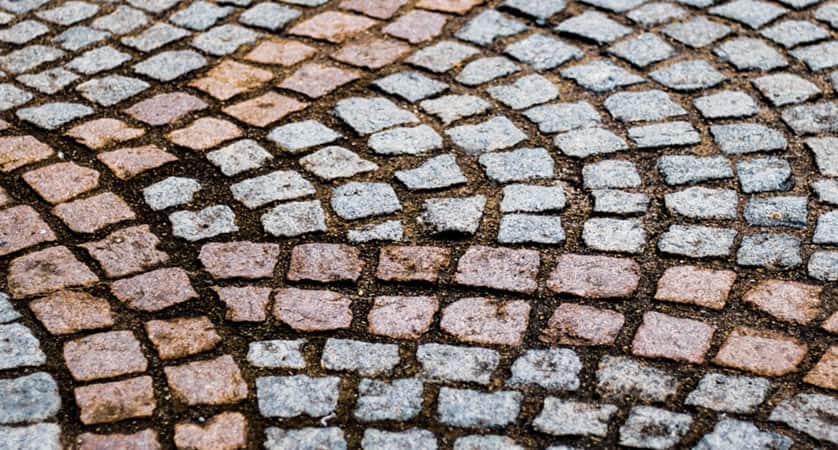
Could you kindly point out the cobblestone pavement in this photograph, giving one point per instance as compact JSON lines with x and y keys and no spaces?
{"x":418,"y":224}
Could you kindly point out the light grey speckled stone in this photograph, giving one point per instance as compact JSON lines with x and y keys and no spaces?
{"x":295,"y":219}
{"x":405,"y":141}
{"x":204,"y":224}
{"x":494,"y":134}
{"x":298,"y":136}
{"x":170,"y":65}
{"x":619,"y":202}
{"x":450,"y":108}
{"x":451,"y":363}
{"x":655,"y":428}
{"x":518,"y":165}
{"x":826,"y":231}
{"x":275,"y":186}
{"x":330,"y":438}
{"x":19,"y":348}
{"x":171,"y":191}
{"x":524,"y":228}
{"x":388,"y":400}
{"x":486,"y":69}
{"x":784,"y":88}
{"x":823,"y":265}
{"x":239,"y":157}
{"x":467,"y":408}
{"x":7,"y":311}
{"x":334,"y":162}
{"x":488,"y":26}
{"x":726,"y":104}
{"x":453,"y":215}
{"x":554,"y":369}
{"x":784,"y":211}
{"x":611,"y":173}
{"x":619,"y":377}
{"x":560,"y":117}
{"x":703,"y":203}
{"x":729,"y":393}
{"x":642,"y":106}
{"x":411,"y":86}
{"x":697,"y":241}
{"x":296,"y":395}
{"x":412,"y":439}
{"x":369,"y":115}
{"x":764,"y":175}
{"x":731,"y":434}
{"x":682,"y":169}
{"x":812,"y":118}
{"x":543,"y":52}
{"x":41,"y":436}
{"x":490,"y":442}
{"x":739,"y":138}
{"x":644,"y":49}
{"x":436,"y":173}
{"x":614,"y":235}
{"x":531,"y":198}
{"x":772,"y":251}
{"x":664,"y":135}
{"x":826,"y":190}
{"x":286,"y":354}
{"x":688,"y":75}
{"x":525,"y":92}
{"x":825,"y":151}
{"x":366,"y":358}
{"x":810,"y":414}
{"x":750,"y":54}
{"x":561,"y":417}
{"x":28,"y":398}
{"x":53,"y":115}
{"x":586,"y":142}
{"x":356,"y":200}
{"x":390,"y":230}
{"x":601,"y":76}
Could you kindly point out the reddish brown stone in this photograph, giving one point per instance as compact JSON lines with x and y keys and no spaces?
{"x":663,"y":336}
{"x":212,"y":382}
{"x":115,"y":401}
{"x":265,"y":109}
{"x":371,"y":53}
{"x":60,"y":182}
{"x":486,"y":321}
{"x":141,"y":440}
{"x":312,"y":310}
{"x":762,"y":352}
{"x":5,"y":198}
{"x":280,"y":51}
{"x":67,"y":312}
{"x":91,"y":214}
{"x":127,"y":251}
{"x":45,"y":271}
{"x":499,"y":268}
{"x":316,"y":80}
{"x":380,"y":9}
{"x":204,"y":133}
{"x":450,"y":6}
{"x":695,"y":285}
{"x":230,"y":78}
{"x":825,"y":372}
{"x":573,"y":324}
{"x":127,"y":163}
{"x":18,"y":151}
{"x":786,"y":300}
{"x":226,"y":431}
{"x":402,"y":317}
{"x":104,"y":355}
{"x":186,"y":336}
{"x":245,"y":304}
{"x":22,"y":227}
{"x":831,"y":324}
{"x":155,"y":290}
{"x":332,"y":26}
{"x":594,"y":276}
{"x":163,"y":109}
{"x":412,"y":263}
{"x":417,"y":26}
{"x":325,"y":263}
{"x":101,"y":133}
{"x":239,"y":259}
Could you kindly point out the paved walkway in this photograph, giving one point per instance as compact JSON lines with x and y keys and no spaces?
{"x":418,"y":224}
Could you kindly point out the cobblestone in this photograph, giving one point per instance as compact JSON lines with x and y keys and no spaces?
{"x":574,"y":418}
{"x":450,"y":363}
{"x":735,"y":394}
{"x":293,"y":396}
{"x":28,"y":398}
{"x":19,"y":347}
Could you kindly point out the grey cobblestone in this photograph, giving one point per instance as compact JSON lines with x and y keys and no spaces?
{"x":560,"y":417}
{"x":726,"y":393}
{"x":395,"y":400}
{"x":467,"y":408}
{"x":28,"y":398}
{"x":618,"y":377}
{"x":697,"y":241}
{"x":19,"y":347}
{"x":450,"y":363}
{"x":769,"y":250}
{"x":331,"y":438}
{"x":296,"y":395}
{"x":287,"y":354}
{"x":554,"y":369}
{"x":366,"y":358}
{"x":650,"y":427}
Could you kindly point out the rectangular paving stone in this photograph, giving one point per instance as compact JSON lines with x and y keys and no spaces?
{"x":467,"y":408}
{"x":297,"y":395}
{"x":365,"y":358}
{"x":104,"y":355}
{"x":699,"y":286}
{"x":451,"y":363}
{"x":560,"y":418}
{"x":209,"y":382}
{"x":499,"y":268}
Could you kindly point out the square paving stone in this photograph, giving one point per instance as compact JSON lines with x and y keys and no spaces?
{"x":560,"y":117}
{"x":688,"y":75}
{"x":726,"y":104}
{"x":612,"y":173}
{"x":372,"y":114}
{"x":98,"y":60}
{"x":518,"y":165}
{"x":739,"y":138}
{"x":20,"y":348}
{"x":200,"y":15}
{"x":818,"y":57}
{"x":435,"y":173}
{"x":23,"y":32}
{"x":614,"y":235}
{"x":127,"y":251}
{"x":28,"y":58}
{"x":695,"y":285}
{"x":786,"y":300}
{"x":12,"y":97}
{"x":655,"y":13}
{"x":375,"y":439}
{"x":643,"y":50}
{"x":104,"y":355}
{"x":405,"y":141}
{"x":543,"y":52}
{"x":45,"y":271}
{"x":750,"y":54}
{"x":99,"y":133}
{"x":294,"y":219}
{"x":296,"y":137}
{"x":736,"y":394}
{"x":312,"y":310}
{"x":381,"y":9}
{"x":442,"y":56}
{"x":358,"y":200}
{"x":697,"y":32}
{"x":652,"y":427}
{"x":664,"y":135}
{"x":326,"y":438}
{"x":601,"y":76}
{"x":486,"y":69}
{"x":682,"y":169}
{"x":620,"y":202}
{"x":230,"y":78}
{"x":334,"y":162}
{"x":268,"y":15}
{"x":764,"y":175}
{"x":155,"y":36}
{"x":784,"y":88}
{"x":79,"y":37}
{"x":224,"y":39}
{"x":525,"y":92}
{"x":493,"y":134}
{"x":163,"y":109}
{"x":411,"y":86}
{"x":559,"y":418}
{"x":204,"y":133}
{"x":746,"y":349}
{"x":812,"y":118}
{"x":450,"y":108}
{"x":333,"y":26}
{"x":282,"y":52}
{"x":530,"y":228}
{"x":452,"y":363}
{"x":60,"y":182}
{"x":573,"y":324}
{"x":417,"y":26}
{"x":469,"y":408}
{"x":203,"y":224}
{"x":697,"y":241}
{"x":753,"y":13}
{"x":91,"y":214}
{"x":539,"y":9}
{"x":486,"y":321}
{"x":457,"y":215}
{"x":115,"y":401}
{"x":790,"y":33}
{"x":594,"y":26}
{"x":402,"y":317}
{"x":51,"y":116}
{"x":703,"y":203}
{"x":769,"y":250}
{"x":412,"y":263}
{"x":395,"y":400}
{"x":209,"y":382}
{"x":489,"y":25}
{"x":110,"y":90}
{"x":265,"y":109}
{"x":122,"y":20}
{"x":642,"y":106}
{"x":618,"y":376}
{"x":365,"y":358}
{"x":594,"y":276}
{"x":499,"y":268}
{"x":297,"y":395}
{"x":49,"y":81}
{"x":69,"y":13}
{"x":170,"y":65}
